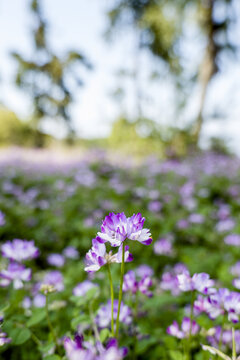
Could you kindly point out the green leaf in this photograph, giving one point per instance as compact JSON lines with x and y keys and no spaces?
{"x":175,"y":355}
{"x":83,"y":318}
{"x":104,"y":334}
{"x":19,"y":335}
{"x":36,"y":318}
{"x":52,"y":357}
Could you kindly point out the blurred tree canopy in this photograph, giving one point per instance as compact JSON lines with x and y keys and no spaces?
{"x":159,"y":25}
{"x":49,"y":79}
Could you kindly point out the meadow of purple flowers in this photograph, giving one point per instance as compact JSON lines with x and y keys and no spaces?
{"x":113,"y":260}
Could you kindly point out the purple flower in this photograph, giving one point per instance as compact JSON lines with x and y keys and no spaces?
{"x":232,"y":306}
{"x":2,"y":218}
{"x":97,"y":256}
{"x":116,"y":228}
{"x":82,"y":288}
{"x":163,"y":247}
{"x":75,"y":350}
{"x":103,"y":318}
{"x":4,"y":339}
{"x":196,"y":219}
{"x":112,"y":352}
{"x":144,"y":270}
{"x":15,"y":273}
{"x":56,"y":260}
{"x":225,"y":225}
{"x":235,"y":269}
{"x":39,"y":300}
{"x":71,"y":252}
{"x":154,"y":206}
{"x":19,"y":250}
{"x":232,"y":239}
{"x":200,"y":282}
{"x":132,"y":284}
{"x":55,"y":279}
{"x":184,"y":331}
{"x":169,"y":279}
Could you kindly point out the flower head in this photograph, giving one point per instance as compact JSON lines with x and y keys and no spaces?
{"x":184,"y":330}
{"x":19,"y":250}
{"x":116,"y":228}
{"x":103,"y":318}
{"x":15,"y":273}
{"x":82,"y":288}
{"x":200,"y":282}
{"x":97,"y":256}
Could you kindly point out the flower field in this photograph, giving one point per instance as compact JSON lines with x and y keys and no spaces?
{"x":106,"y":260}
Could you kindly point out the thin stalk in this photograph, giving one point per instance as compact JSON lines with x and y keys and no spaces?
{"x":50,"y":325}
{"x":234,"y":354}
{"x":191,"y":321}
{"x":112,"y":297}
{"x":120,"y":290}
{"x":95,"y":330}
{"x":135,"y":330}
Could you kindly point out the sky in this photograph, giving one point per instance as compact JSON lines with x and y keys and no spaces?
{"x":80,"y":25}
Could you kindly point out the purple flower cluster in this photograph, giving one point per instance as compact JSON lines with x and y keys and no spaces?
{"x":103,"y":318}
{"x":116,"y":228}
{"x":78,"y":349}
{"x":217,"y":335}
{"x":200,"y":282}
{"x":163,"y":247}
{"x":97,"y":256}
{"x":3,"y":338}
{"x":169,"y":280}
{"x":133,"y":283}
{"x":17,"y":251}
{"x":2,"y":218}
{"x":82,"y":288}
{"x":184,"y":330}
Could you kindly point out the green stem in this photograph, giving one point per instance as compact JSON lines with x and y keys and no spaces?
{"x":234,"y":355}
{"x":112,"y":297}
{"x":120,"y":290}
{"x":50,"y":325}
{"x":135,"y":332}
{"x":191,"y":321}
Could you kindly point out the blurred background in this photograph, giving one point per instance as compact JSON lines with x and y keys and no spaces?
{"x":135,"y":76}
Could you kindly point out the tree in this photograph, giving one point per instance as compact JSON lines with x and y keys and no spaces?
{"x":218,"y":41}
{"x":49,"y":79}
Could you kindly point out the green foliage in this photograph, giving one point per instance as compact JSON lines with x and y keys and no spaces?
{"x":45,"y":76}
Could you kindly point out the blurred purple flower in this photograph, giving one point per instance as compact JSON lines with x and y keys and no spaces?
{"x":55,"y":279}
{"x":225,"y":225}
{"x":154,"y":206}
{"x":15,"y":273}
{"x":2,"y":218}
{"x":132,"y":284}
{"x":75,"y":350}
{"x":163,"y":247}
{"x":232,"y":239}
{"x":19,"y":250}
{"x":82,"y":288}
{"x":144,"y":270}
{"x":103,"y":318}
{"x":184,"y":331}
{"x":200,"y":282}
{"x":56,"y":260}
{"x":71,"y":252}
{"x":196,"y":219}
{"x":4,"y":339}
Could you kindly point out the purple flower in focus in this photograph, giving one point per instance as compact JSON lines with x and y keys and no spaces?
{"x":184,"y":331}
{"x":103,"y":318}
{"x":15,"y":273}
{"x":116,"y":228}
{"x":71,"y":252}
{"x":200,"y":282}
{"x":82,"y":288}
{"x":2,"y":218}
{"x":163,"y":247}
{"x":19,"y":250}
{"x":56,"y":260}
{"x":97,"y":256}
